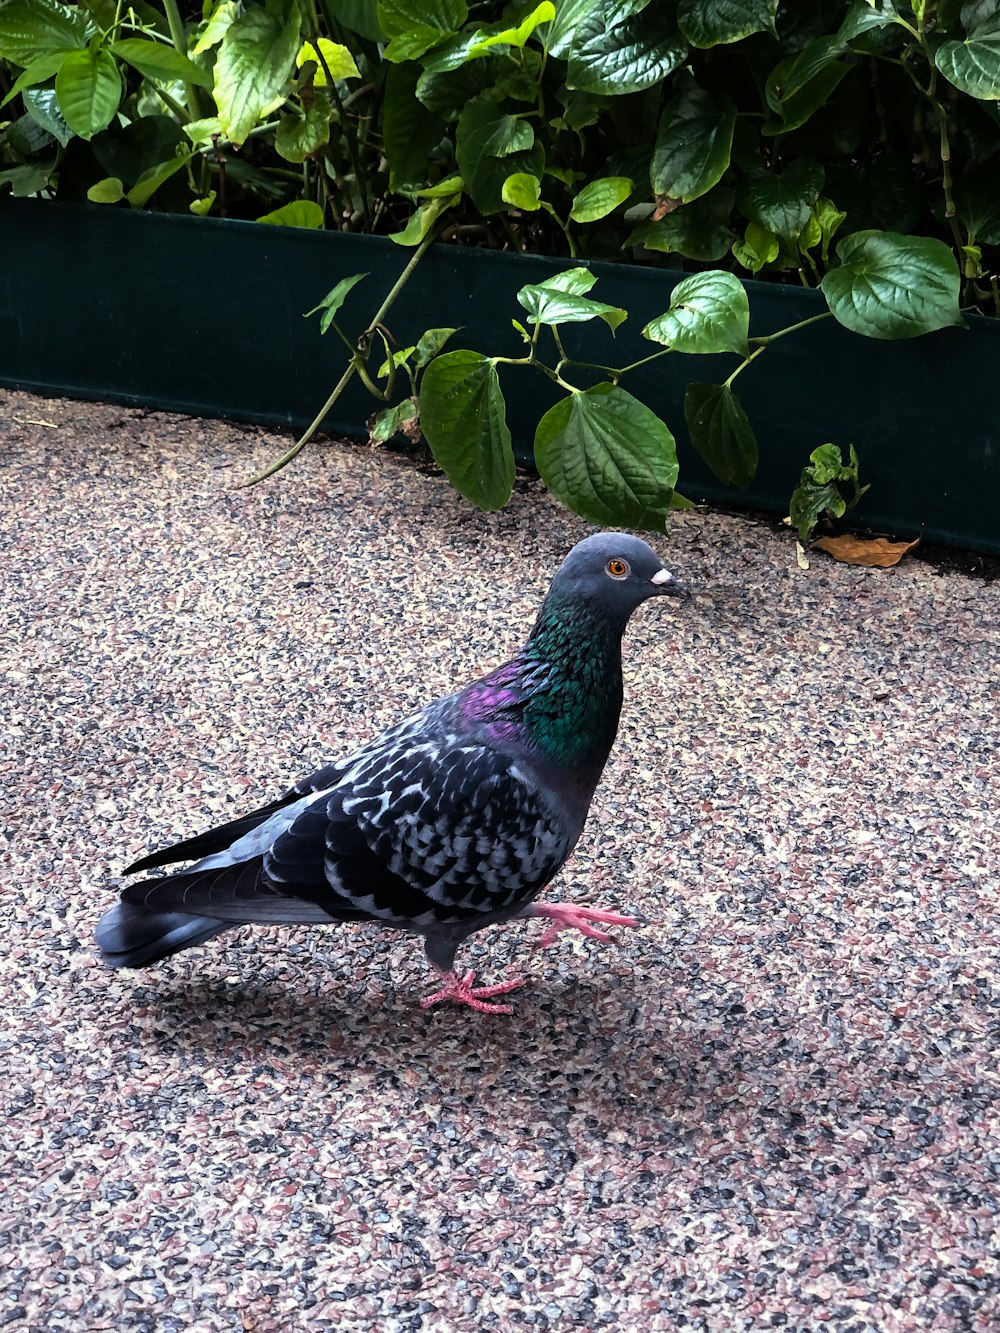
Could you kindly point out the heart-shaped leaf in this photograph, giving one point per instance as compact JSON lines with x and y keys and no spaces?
{"x":618,"y":49}
{"x":698,"y":231}
{"x":973,"y":66}
{"x":721,"y":433}
{"x":798,"y":86}
{"x":463,"y":417}
{"x":560,"y":300}
{"x":414,"y":26}
{"x":693,"y":145}
{"x":714,"y":22}
{"x":303,"y":132}
{"x":892,"y":286}
{"x":709,"y":312}
{"x":781,"y":202}
{"x":491,"y":146}
{"x":609,"y":458}
{"x":30,"y":29}
{"x":522,"y":190}
{"x":429,"y":344}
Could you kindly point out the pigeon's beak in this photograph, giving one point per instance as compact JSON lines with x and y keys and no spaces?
{"x":666,"y":585}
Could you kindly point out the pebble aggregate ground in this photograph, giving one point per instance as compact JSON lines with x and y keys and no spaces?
{"x":776,"y":1106}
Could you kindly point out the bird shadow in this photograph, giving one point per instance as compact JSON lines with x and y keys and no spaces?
{"x":608,"y":1047}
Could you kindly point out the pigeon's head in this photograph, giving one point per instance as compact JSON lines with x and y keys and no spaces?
{"x":615,"y":572}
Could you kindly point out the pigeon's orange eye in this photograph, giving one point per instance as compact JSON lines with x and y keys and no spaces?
{"x":617,"y":568}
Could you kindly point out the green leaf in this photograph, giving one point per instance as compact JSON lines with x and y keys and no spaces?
{"x":33,"y":28}
{"x":27,"y":180}
{"x":693,"y":145}
{"x":255,"y":59}
{"x":697,"y":231}
{"x":151,"y":179}
{"x":107,"y":191}
{"x":423,"y":219}
{"x":817,"y":493}
{"x":339,"y":61}
{"x":865,"y":16}
{"x":333,"y":300}
{"x":390,"y":421}
{"x":360,"y":16}
{"x":474,"y":44}
{"x":490,"y":146}
{"x":445,"y":189}
{"x":217,"y":26}
{"x":88,"y":88}
{"x":797,"y":87}
{"x":429,"y":344}
{"x":399,"y":357}
{"x":304,"y":132}
{"x":522,"y":190}
{"x":299,"y":213}
{"x":37,"y":72}
{"x":42,"y":106}
{"x":781,"y":202}
{"x":973,"y":66}
{"x":721,"y":433}
{"x":709,"y":313}
{"x":202,"y":207}
{"x":202,"y":131}
{"x":159,"y":62}
{"x":714,"y":22}
{"x":560,"y":300}
{"x":414,"y":26}
{"x":601,"y":197}
{"x":462,"y":413}
{"x":977,"y":203}
{"x":409,"y":130}
{"x":563,"y":28}
{"x":758,"y":247}
{"x":542,"y":13}
{"x":892,"y":286}
{"x":609,"y":458}
{"x":827,"y":218}
{"x":616,"y":49}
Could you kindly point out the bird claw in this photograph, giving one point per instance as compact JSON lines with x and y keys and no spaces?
{"x":567,"y":916}
{"x":459,"y":990}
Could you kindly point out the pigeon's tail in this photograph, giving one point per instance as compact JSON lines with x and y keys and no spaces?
{"x":130,"y":935}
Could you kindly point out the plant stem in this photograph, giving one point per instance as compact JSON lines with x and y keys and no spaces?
{"x":176,"y":25}
{"x":792,"y":328}
{"x":743,"y":365}
{"x":345,"y":125}
{"x":351,"y":368}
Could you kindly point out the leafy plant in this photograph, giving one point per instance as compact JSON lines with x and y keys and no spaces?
{"x":819,"y":494}
{"x":744,"y":135}
{"x":600,"y":450}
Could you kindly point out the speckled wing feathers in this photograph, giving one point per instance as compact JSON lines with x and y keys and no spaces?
{"x":419,"y":828}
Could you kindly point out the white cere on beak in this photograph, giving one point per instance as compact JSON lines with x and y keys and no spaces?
{"x":662,"y":576}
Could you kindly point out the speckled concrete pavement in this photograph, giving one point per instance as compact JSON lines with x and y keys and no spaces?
{"x":775,"y":1107}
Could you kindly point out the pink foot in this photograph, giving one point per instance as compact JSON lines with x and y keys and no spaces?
{"x":566,"y":916}
{"x":459,"y":990}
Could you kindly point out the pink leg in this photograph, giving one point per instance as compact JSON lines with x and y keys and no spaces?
{"x":459,"y":990}
{"x":567,"y":916}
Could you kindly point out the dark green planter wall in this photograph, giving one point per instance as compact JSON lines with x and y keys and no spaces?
{"x":202,"y":316}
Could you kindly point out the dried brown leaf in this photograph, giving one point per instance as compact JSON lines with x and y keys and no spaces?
{"x":865,"y":550}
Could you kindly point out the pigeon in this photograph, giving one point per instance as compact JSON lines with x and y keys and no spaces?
{"x":453,"y":820}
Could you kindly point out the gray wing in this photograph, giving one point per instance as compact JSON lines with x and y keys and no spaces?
{"x":416,"y":831}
